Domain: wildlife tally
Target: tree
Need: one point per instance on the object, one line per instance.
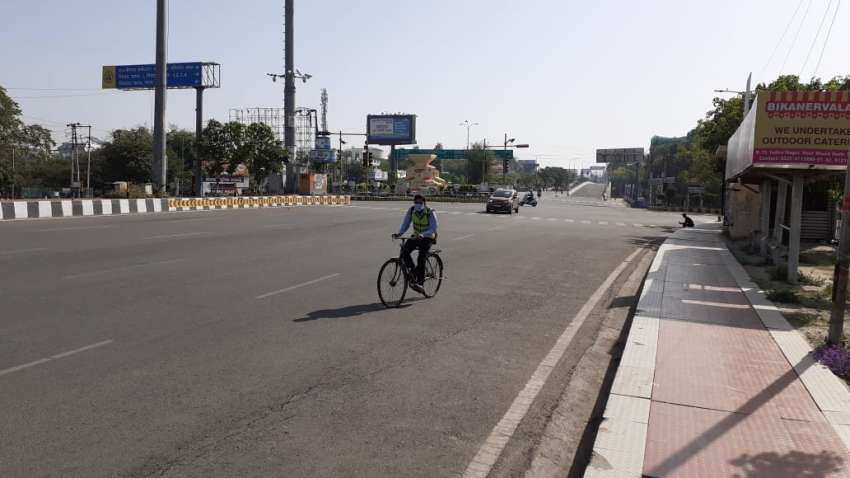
(263, 154)
(180, 149)
(128, 157)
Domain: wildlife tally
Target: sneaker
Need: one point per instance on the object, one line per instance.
(417, 288)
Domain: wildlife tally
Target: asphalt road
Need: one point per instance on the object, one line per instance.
(253, 343)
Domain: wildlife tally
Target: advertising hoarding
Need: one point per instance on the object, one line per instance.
(792, 129)
(323, 142)
(802, 128)
(323, 155)
(143, 77)
(391, 129)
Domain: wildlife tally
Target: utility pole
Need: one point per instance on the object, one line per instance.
(839, 276)
(75, 167)
(160, 162)
(13, 171)
(88, 162)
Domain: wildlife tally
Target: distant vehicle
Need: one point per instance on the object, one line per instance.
(528, 200)
(503, 200)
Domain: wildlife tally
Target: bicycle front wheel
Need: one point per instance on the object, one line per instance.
(433, 275)
(392, 283)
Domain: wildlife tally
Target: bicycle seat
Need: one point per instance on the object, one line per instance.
(436, 251)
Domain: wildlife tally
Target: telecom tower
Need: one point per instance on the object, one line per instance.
(324, 109)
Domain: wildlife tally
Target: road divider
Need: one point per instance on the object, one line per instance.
(43, 209)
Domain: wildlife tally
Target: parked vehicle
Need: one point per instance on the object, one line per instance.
(503, 200)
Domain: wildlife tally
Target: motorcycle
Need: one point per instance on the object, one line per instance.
(528, 200)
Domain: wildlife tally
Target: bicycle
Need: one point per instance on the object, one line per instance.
(394, 273)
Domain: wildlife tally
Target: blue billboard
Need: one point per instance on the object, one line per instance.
(138, 77)
(391, 129)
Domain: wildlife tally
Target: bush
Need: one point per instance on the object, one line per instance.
(809, 279)
(779, 273)
(834, 357)
(785, 296)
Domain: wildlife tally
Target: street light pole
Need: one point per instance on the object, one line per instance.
(468, 125)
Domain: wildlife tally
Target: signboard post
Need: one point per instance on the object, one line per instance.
(197, 75)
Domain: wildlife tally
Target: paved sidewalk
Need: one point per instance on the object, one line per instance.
(715, 383)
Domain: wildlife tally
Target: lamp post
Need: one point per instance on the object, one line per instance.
(468, 126)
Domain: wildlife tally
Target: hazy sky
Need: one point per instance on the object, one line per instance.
(565, 76)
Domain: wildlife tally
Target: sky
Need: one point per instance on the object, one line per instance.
(565, 76)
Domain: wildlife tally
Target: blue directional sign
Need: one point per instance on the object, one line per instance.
(138, 77)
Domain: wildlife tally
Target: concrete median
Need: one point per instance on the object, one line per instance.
(45, 209)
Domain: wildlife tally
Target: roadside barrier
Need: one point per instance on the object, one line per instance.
(465, 199)
(43, 209)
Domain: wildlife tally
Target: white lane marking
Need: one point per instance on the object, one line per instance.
(77, 228)
(492, 448)
(637, 225)
(175, 236)
(569, 220)
(119, 269)
(535, 218)
(621, 223)
(297, 286)
(603, 223)
(462, 237)
(552, 219)
(652, 225)
(17, 368)
(22, 251)
(585, 221)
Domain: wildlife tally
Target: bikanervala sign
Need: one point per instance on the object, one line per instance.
(802, 128)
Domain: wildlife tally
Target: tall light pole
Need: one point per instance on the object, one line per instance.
(159, 161)
(468, 126)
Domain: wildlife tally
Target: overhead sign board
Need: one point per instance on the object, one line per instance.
(143, 77)
(391, 129)
(619, 155)
(452, 154)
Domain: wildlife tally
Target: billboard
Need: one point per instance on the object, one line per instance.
(391, 129)
(792, 129)
(143, 77)
(619, 155)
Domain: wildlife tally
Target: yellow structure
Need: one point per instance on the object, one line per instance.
(421, 176)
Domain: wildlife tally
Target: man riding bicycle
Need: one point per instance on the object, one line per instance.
(425, 234)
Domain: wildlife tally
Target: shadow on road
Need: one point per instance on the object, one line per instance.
(351, 311)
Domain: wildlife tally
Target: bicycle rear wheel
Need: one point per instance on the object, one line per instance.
(392, 283)
(433, 275)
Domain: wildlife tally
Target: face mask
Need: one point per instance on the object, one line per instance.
(419, 207)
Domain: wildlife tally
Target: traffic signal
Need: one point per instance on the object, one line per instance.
(505, 164)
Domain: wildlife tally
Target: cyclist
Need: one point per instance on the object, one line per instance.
(424, 235)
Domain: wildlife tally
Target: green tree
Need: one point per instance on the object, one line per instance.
(263, 154)
(128, 157)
